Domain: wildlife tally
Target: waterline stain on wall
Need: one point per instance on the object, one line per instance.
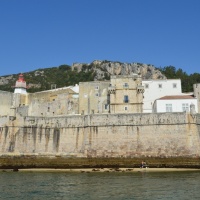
(107, 135)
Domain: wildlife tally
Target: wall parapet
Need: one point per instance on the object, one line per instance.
(143, 119)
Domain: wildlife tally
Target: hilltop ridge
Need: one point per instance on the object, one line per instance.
(65, 75)
(104, 69)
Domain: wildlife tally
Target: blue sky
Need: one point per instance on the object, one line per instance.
(46, 33)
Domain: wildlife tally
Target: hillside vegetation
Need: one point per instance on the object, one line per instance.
(187, 81)
(43, 79)
(65, 75)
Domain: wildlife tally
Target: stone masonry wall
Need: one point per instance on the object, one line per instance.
(108, 135)
(6, 102)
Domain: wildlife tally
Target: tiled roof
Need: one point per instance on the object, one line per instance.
(177, 97)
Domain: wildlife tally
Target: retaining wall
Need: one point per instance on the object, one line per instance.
(108, 135)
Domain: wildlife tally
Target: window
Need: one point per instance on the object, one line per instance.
(125, 98)
(125, 108)
(97, 94)
(146, 86)
(106, 106)
(126, 85)
(159, 85)
(174, 85)
(96, 87)
(185, 107)
(168, 107)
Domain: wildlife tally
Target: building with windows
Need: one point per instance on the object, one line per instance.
(122, 94)
(175, 103)
(155, 89)
(93, 97)
(55, 102)
(126, 94)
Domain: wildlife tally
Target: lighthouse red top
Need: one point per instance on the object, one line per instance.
(20, 83)
(21, 78)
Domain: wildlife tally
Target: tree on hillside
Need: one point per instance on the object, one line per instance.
(187, 81)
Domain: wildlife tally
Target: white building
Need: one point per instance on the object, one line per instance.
(175, 103)
(155, 89)
(196, 88)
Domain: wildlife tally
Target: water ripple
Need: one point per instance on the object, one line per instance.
(98, 186)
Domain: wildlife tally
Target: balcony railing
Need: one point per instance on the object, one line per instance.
(126, 100)
(111, 89)
(140, 89)
(126, 86)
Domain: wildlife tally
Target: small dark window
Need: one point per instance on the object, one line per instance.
(126, 85)
(125, 98)
(174, 85)
(106, 106)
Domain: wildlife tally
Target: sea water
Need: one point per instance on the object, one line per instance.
(103, 185)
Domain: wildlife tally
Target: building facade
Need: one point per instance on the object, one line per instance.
(155, 89)
(122, 94)
(93, 97)
(126, 94)
(196, 88)
(56, 102)
(176, 103)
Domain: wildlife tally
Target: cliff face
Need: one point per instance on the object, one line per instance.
(104, 69)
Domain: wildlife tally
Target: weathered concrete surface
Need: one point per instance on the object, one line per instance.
(15, 162)
(103, 136)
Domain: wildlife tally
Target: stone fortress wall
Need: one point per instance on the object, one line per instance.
(102, 135)
(61, 123)
(6, 102)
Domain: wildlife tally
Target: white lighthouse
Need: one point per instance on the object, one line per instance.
(20, 85)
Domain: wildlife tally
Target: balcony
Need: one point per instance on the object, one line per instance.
(126, 86)
(111, 89)
(126, 101)
(140, 89)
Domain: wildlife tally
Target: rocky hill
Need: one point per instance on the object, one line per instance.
(64, 75)
(104, 69)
